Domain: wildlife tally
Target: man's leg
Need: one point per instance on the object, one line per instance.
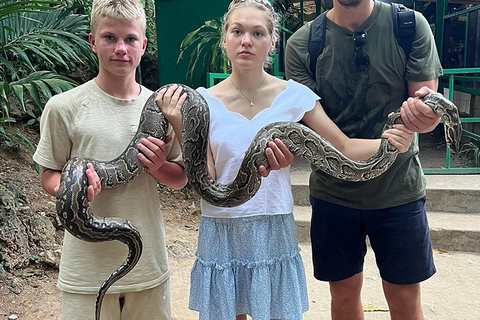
(346, 298)
(404, 301)
(338, 251)
(400, 238)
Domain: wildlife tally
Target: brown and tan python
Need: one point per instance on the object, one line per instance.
(75, 214)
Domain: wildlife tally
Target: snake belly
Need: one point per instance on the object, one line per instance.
(72, 204)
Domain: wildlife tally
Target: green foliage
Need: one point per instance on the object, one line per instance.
(206, 52)
(151, 27)
(204, 44)
(39, 41)
(472, 150)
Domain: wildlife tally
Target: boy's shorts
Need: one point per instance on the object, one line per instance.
(399, 237)
(152, 304)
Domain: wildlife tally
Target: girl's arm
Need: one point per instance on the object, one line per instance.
(355, 149)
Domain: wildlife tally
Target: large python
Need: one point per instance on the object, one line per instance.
(75, 214)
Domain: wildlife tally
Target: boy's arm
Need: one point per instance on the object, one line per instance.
(50, 181)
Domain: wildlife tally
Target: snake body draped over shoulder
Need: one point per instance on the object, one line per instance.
(74, 212)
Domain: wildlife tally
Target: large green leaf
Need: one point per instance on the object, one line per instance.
(40, 83)
(206, 53)
(45, 39)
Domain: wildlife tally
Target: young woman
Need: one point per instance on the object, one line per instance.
(248, 260)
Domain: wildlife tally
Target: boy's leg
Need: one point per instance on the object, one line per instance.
(152, 304)
(82, 306)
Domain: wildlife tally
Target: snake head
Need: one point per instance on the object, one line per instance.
(448, 111)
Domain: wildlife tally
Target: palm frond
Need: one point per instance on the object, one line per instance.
(40, 83)
(206, 53)
(40, 39)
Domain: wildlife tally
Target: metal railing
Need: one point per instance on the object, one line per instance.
(461, 75)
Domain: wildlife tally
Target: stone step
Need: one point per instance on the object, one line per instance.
(448, 231)
(445, 193)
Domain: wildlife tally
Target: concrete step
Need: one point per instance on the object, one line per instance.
(448, 231)
(445, 193)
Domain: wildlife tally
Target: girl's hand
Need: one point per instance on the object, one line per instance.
(278, 157)
(171, 101)
(400, 137)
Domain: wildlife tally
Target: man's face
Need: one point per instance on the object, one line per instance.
(119, 45)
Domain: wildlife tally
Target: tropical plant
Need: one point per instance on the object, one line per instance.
(471, 150)
(206, 50)
(39, 41)
(203, 45)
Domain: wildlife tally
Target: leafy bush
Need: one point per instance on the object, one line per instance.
(39, 41)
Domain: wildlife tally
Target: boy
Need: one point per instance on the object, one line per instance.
(82, 122)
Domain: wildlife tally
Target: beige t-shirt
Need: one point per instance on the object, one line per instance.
(85, 121)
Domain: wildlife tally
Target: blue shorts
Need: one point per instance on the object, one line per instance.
(399, 237)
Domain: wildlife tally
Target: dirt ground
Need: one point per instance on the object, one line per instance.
(31, 293)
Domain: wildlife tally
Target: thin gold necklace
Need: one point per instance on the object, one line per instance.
(256, 92)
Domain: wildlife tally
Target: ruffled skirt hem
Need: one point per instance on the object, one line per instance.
(264, 279)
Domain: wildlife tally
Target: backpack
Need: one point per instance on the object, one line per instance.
(403, 26)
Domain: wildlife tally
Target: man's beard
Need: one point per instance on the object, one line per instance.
(349, 3)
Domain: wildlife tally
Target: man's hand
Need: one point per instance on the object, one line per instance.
(153, 152)
(278, 157)
(416, 115)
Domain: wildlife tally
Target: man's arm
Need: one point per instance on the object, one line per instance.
(416, 115)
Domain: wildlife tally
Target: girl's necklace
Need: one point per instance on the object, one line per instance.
(256, 92)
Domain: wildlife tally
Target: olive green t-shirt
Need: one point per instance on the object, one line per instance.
(359, 100)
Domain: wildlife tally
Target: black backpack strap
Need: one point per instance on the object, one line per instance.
(316, 40)
(404, 26)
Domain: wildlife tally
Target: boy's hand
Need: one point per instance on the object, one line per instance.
(400, 137)
(153, 152)
(94, 186)
(278, 157)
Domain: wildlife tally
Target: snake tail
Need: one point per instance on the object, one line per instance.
(128, 234)
(85, 225)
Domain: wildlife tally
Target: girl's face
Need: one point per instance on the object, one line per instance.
(247, 40)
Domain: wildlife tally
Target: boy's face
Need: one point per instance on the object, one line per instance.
(119, 45)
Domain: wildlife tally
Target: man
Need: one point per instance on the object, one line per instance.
(361, 76)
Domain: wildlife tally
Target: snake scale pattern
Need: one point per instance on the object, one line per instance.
(74, 212)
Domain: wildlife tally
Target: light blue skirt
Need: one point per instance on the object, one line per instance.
(251, 266)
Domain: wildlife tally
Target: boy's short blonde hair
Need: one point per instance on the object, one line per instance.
(118, 9)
